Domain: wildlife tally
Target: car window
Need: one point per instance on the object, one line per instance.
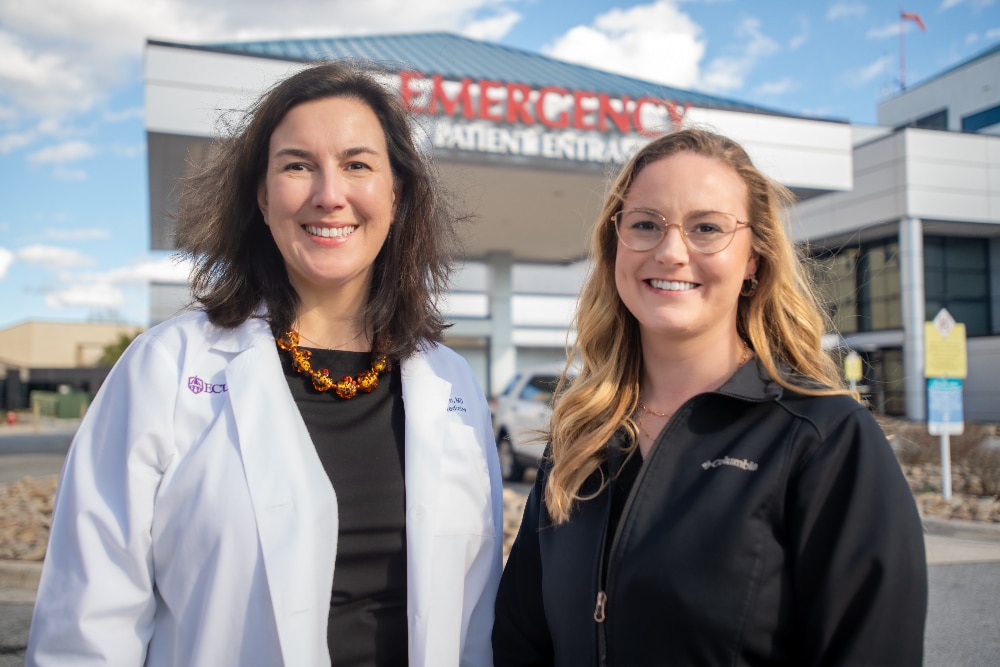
(540, 388)
(510, 385)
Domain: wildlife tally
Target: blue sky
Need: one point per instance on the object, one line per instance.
(74, 229)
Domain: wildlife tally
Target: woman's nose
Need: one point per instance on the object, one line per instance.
(673, 245)
(328, 191)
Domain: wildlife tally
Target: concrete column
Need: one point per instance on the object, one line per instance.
(911, 284)
(503, 355)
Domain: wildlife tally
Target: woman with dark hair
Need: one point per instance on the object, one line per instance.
(297, 472)
(711, 494)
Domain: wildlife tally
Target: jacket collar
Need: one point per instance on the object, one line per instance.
(751, 382)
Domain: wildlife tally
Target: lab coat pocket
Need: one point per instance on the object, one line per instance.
(464, 488)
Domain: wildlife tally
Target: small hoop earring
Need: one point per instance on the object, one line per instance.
(749, 286)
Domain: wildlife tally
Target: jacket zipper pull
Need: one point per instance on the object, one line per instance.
(602, 601)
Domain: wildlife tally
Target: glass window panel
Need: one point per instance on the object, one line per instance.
(933, 284)
(965, 253)
(967, 285)
(956, 277)
(972, 314)
(933, 253)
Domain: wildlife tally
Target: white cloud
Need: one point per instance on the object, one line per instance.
(887, 30)
(77, 234)
(94, 295)
(106, 289)
(167, 269)
(802, 37)
(124, 114)
(129, 151)
(6, 259)
(773, 88)
(868, 73)
(16, 140)
(843, 10)
(993, 33)
(727, 73)
(69, 151)
(656, 41)
(976, 5)
(59, 58)
(62, 173)
(492, 28)
(53, 256)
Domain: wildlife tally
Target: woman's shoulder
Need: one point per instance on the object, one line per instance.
(441, 359)
(193, 327)
(830, 414)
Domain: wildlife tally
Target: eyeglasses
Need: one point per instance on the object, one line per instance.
(707, 232)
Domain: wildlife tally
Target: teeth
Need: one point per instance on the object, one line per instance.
(330, 232)
(672, 285)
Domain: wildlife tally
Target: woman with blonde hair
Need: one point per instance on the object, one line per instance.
(711, 493)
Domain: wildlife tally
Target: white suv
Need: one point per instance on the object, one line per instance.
(520, 412)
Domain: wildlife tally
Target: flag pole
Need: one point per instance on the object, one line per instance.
(902, 51)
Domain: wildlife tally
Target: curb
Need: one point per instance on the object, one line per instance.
(19, 580)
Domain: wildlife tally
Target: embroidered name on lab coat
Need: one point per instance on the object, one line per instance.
(199, 386)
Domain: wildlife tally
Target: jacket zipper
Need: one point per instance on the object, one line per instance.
(604, 579)
(600, 606)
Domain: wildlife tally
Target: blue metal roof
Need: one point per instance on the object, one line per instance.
(454, 56)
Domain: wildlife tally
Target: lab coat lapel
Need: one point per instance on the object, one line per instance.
(425, 397)
(293, 501)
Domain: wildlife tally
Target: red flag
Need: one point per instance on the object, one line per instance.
(913, 16)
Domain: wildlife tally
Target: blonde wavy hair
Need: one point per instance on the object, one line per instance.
(782, 322)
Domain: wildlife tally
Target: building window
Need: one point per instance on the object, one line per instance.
(935, 121)
(860, 287)
(834, 276)
(981, 120)
(879, 301)
(957, 277)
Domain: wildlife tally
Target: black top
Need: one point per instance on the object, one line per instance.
(764, 527)
(360, 442)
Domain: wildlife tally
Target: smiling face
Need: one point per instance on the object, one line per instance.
(673, 292)
(327, 196)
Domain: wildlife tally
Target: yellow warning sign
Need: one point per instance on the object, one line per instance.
(945, 354)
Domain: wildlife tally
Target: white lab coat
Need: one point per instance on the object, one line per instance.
(195, 525)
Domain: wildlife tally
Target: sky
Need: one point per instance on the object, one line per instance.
(74, 221)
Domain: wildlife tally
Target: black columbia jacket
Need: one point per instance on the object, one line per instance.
(765, 527)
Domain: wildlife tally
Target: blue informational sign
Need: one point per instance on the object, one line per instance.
(944, 406)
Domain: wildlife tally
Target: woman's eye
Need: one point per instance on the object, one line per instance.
(357, 166)
(294, 166)
(705, 228)
(645, 226)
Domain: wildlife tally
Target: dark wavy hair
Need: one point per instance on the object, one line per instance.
(237, 265)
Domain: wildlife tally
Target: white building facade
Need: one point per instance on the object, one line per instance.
(919, 231)
(525, 143)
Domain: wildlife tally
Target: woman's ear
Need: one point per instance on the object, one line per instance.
(751, 266)
(262, 200)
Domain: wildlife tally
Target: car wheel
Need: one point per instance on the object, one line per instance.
(510, 470)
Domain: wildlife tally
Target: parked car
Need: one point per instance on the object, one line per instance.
(520, 413)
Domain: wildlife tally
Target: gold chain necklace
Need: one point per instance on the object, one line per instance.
(744, 357)
(347, 386)
(662, 415)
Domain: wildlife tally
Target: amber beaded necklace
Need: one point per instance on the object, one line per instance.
(347, 386)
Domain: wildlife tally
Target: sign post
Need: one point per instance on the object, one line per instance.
(852, 369)
(945, 367)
